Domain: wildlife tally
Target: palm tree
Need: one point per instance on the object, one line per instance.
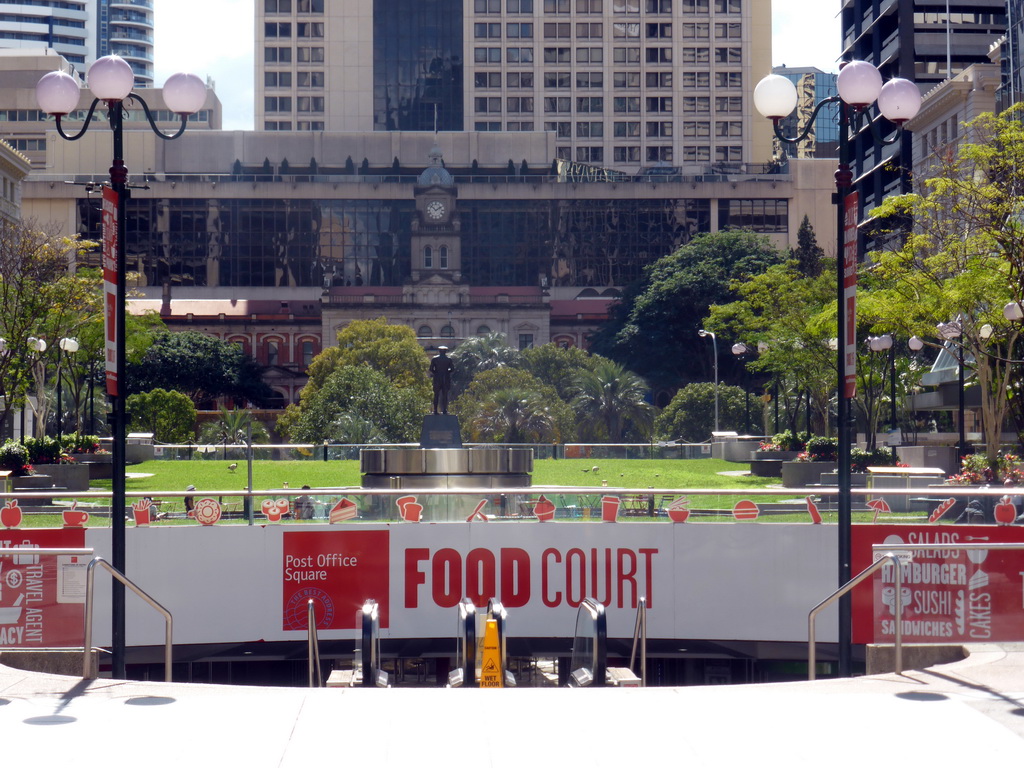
(233, 428)
(514, 416)
(478, 354)
(612, 401)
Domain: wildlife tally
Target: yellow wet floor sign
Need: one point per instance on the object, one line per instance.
(490, 667)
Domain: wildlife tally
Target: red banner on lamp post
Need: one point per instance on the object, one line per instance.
(110, 246)
(850, 294)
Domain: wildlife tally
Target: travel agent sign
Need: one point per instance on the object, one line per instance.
(948, 595)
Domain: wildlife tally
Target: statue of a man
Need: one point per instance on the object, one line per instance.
(441, 368)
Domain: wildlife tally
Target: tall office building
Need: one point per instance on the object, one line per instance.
(812, 85)
(924, 41)
(621, 83)
(83, 30)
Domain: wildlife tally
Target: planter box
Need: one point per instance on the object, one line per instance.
(71, 477)
(100, 464)
(802, 474)
(781, 455)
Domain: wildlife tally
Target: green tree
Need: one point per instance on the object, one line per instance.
(537, 396)
(961, 260)
(200, 366)
(807, 254)
(169, 415)
(356, 391)
(514, 416)
(690, 417)
(479, 354)
(610, 404)
(557, 366)
(233, 427)
(653, 328)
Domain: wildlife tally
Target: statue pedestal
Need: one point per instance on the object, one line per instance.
(440, 430)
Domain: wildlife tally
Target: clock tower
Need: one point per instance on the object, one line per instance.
(436, 229)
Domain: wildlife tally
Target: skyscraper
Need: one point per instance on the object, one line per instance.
(626, 84)
(84, 30)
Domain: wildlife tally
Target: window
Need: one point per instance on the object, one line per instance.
(728, 56)
(659, 154)
(309, 104)
(658, 6)
(522, 31)
(659, 104)
(728, 128)
(659, 129)
(590, 80)
(310, 125)
(425, 332)
(591, 104)
(589, 6)
(589, 55)
(696, 154)
(519, 104)
(557, 30)
(626, 103)
(519, 6)
(659, 80)
(556, 80)
(310, 79)
(483, 330)
(280, 55)
(277, 104)
(623, 129)
(486, 126)
(519, 79)
(442, 254)
(693, 80)
(447, 332)
(273, 352)
(487, 79)
(307, 353)
(694, 6)
(727, 6)
(728, 79)
(626, 6)
(626, 55)
(626, 79)
(759, 215)
(519, 55)
(277, 6)
(663, 31)
(696, 104)
(526, 125)
(525, 340)
(487, 6)
(311, 29)
(556, 6)
(487, 55)
(662, 55)
(277, 79)
(589, 154)
(482, 31)
(310, 54)
(623, 30)
(309, 6)
(695, 30)
(696, 56)
(561, 153)
(557, 104)
(728, 30)
(696, 129)
(277, 29)
(626, 154)
(590, 130)
(487, 104)
(562, 130)
(589, 30)
(428, 257)
(558, 55)
(728, 154)
(729, 103)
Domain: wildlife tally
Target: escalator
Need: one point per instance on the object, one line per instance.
(588, 666)
(365, 671)
(480, 648)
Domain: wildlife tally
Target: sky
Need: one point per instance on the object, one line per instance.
(214, 39)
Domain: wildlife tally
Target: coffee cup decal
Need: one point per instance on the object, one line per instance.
(141, 511)
(274, 509)
(609, 508)
(11, 515)
(206, 511)
(74, 517)
(345, 509)
(544, 510)
(409, 509)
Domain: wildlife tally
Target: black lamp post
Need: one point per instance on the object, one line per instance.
(859, 85)
(67, 346)
(111, 79)
(948, 332)
(739, 349)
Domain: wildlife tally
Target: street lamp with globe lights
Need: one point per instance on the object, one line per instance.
(949, 333)
(714, 348)
(110, 79)
(739, 350)
(881, 344)
(67, 346)
(860, 85)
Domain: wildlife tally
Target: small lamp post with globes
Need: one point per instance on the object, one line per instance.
(67, 347)
(859, 85)
(111, 79)
(714, 348)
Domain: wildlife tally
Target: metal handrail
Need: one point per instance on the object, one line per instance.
(898, 605)
(640, 638)
(316, 674)
(89, 581)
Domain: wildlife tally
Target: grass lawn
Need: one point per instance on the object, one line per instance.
(638, 475)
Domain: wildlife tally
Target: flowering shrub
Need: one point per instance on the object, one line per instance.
(823, 448)
(45, 450)
(79, 443)
(14, 458)
(975, 470)
(882, 456)
(785, 441)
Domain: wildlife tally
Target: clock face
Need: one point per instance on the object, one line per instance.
(435, 210)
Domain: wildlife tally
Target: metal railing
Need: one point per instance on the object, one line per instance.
(888, 557)
(168, 619)
(640, 641)
(316, 673)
